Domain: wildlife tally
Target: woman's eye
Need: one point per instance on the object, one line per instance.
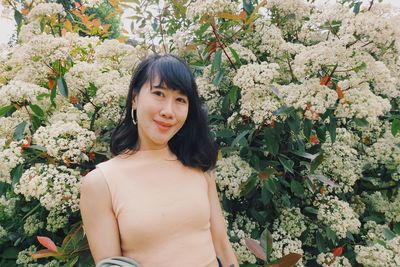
(182, 100)
(159, 93)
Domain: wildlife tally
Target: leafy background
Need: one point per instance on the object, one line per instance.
(303, 102)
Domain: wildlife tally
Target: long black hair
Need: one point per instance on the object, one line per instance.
(192, 144)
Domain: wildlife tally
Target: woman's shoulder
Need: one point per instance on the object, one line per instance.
(93, 183)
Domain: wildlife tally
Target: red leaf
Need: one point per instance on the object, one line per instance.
(339, 92)
(44, 253)
(337, 252)
(255, 248)
(289, 260)
(325, 80)
(47, 243)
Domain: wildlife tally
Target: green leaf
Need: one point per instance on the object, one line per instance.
(218, 77)
(330, 234)
(289, 260)
(396, 228)
(266, 242)
(92, 89)
(311, 210)
(271, 184)
(53, 96)
(307, 127)
(286, 163)
(225, 133)
(6, 109)
(304, 154)
(361, 122)
(203, 28)
(216, 64)
(248, 6)
(332, 129)
(316, 162)
(297, 188)
(248, 186)
(36, 147)
(19, 130)
(239, 138)
(283, 110)
(321, 244)
(37, 110)
(233, 95)
(356, 8)
(72, 262)
(388, 234)
(10, 253)
(18, 19)
(62, 86)
(272, 139)
(36, 122)
(294, 124)
(395, 126)
(235, 56)
(16, 174)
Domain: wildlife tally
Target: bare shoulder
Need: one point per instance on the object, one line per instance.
(94, 183)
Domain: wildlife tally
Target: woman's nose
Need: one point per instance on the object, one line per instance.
(167, 109)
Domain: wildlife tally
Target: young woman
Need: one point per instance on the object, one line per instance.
(156, 201)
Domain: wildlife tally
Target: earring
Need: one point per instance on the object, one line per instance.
(133, 116)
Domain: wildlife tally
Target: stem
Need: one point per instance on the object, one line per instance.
(370, 5)
(162, 30)
(221, 44)
(290, 68)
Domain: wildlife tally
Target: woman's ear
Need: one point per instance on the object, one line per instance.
(134, 105)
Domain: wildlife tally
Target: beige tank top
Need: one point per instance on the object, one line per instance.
(162, 209)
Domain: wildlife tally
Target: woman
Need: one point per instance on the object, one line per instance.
(156, 200)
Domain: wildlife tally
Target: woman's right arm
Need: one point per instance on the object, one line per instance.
(98, 218)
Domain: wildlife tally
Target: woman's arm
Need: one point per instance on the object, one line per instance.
(223, 247)
(98, 217)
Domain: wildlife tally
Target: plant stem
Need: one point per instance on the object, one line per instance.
(221, 44)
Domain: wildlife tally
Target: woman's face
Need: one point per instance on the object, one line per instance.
(160, 113)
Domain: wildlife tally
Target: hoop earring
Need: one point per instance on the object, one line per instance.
(133, 117)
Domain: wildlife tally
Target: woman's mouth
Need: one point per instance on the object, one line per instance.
(163, 126)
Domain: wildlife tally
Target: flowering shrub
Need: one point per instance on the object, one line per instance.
(303, 101)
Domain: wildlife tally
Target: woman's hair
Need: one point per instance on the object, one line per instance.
(192, 144)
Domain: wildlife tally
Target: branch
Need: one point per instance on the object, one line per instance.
(370, 5)
(221, 44)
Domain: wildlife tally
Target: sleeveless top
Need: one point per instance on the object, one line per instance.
(162, 209)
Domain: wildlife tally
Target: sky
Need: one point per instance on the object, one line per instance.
(7, 24)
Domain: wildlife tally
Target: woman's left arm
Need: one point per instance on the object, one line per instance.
(223, 247)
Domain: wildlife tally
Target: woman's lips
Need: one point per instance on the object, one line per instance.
(163, 126)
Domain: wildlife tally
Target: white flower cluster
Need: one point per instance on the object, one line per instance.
(209, 92)
(3, 234)
(258, 100)
(252, 76)
(376, 202)
(80, 76)
(283, 244)
(329, 53)
(92, 3)
(311, 97)
(342, 163)
(339, 216)
(291, 221)
(386, 151)
(31, 60)
(56, 187)
(11, 157)
(112, 54)
(20, 92)
(329, 260)
(32, 224)
(295, 9)
(375, 231)
(28, 31)
(379, 255)
(7, 207)
(199, 8)
(82, 48)
(392, 215)
(231, 173)
(243, 53)
(69, 113)
(45, 9)
(241, 228)
(65, 141)
(360, 102)
(56, 220)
